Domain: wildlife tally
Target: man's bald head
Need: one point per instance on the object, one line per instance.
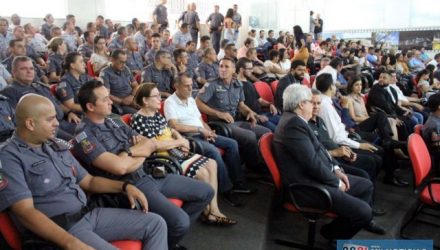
(32, 106)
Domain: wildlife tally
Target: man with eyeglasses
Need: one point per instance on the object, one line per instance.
(119, 80)
(161, 72)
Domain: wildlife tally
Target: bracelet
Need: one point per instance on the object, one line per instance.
(124, 186)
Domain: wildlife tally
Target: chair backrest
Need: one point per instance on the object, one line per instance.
(265, 146)
(126, 119)
(312, 79)
(420, 158)
(90, 70)
(162, 107)
(274, 85)
(9, 231)
(307, 82)
(418, 129)
(264, 91)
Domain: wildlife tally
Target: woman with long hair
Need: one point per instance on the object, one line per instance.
(151, 124)
(99, 58)
(300, 42)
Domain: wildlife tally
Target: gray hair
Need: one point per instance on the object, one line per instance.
(316, 92)
(294, 95)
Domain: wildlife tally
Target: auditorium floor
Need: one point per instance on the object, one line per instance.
(258, 224)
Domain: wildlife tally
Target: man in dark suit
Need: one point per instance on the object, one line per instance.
(295, 142)
(383, 98)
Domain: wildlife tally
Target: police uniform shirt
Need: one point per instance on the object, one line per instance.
(4, 44)
(161, 14)
(216, 20)
(162, 78)
(55, 62)
(193, 60)
(85, 50)
(225, 98)
(49, 174)
(92, 140)
(30, 52)
(134, 61)
(70, 40)
(16, 90)
(69, 86)
(116, 44)
(4, 75)
(7, 116)
(38, 71)
(431, 134)
(236, 18)
(149, 56)
(119, 82)
(45, 30)
(207, 71)
(191, 18)
(103, 31)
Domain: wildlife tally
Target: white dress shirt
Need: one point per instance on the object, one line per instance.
(335, 127)
(186, 113)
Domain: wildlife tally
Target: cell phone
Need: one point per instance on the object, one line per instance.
(159, 172)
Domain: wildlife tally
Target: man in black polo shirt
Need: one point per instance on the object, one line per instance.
(296, 75)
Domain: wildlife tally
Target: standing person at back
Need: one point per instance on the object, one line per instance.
(160, 15)
(237, 20)
(318, 26)
(191, 17)
(215, 22)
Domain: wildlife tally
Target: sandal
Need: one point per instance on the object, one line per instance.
(219, 221)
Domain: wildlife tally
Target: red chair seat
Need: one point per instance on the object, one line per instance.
(426, 198)
(291, 208)
(264, 91)
(274, 85)
(9, 231)
(127, 244)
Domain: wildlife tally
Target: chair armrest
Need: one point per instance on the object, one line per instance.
(195, 146)
(310, 198)
(434, 180)
(171, 165)
(221, 128)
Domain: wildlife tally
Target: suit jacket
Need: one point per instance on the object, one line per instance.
(380, 98)
(300, 157)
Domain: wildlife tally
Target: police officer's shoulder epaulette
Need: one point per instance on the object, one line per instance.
(36, 84)
(58, 144)
(237, 82)
(113, 122)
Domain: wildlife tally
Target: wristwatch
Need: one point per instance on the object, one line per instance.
(129, 152)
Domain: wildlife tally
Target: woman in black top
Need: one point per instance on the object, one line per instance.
(151, 124)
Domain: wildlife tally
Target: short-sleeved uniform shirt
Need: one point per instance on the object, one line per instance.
(70, 40)
(161, 12)
(69, 86)
(86, 50)
(4, 75)
(193, 60)
(134, 61)
(216, 20)
(116, 44)
(223, 97)
(119, 82)
(16, 90)
(55, 63)
(92, 140)
(207, 71)
(48, 174)
(7, 116)
(4, 44)
(191, 18)
(162, 78)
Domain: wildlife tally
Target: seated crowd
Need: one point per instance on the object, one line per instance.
(340, 113)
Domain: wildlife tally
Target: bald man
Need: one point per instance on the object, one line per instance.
(43, 185)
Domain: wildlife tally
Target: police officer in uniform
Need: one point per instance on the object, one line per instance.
(23, 83)
(120, 81)
(223, 99)
(215, 21)
(114, 150)
(71, 81)
(7, 119)
(42, 186)
(161, 72)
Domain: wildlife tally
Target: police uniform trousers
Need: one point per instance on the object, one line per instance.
(195, 194)
(247, 138)
(102, 225)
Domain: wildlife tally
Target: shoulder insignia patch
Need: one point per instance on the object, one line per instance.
(87, 146)
(3, 182)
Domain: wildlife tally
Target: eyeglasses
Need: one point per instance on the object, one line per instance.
(248, 68)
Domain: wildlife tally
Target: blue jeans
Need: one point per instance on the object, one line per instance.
(417, 118)
(273, 121)
(229, 167)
